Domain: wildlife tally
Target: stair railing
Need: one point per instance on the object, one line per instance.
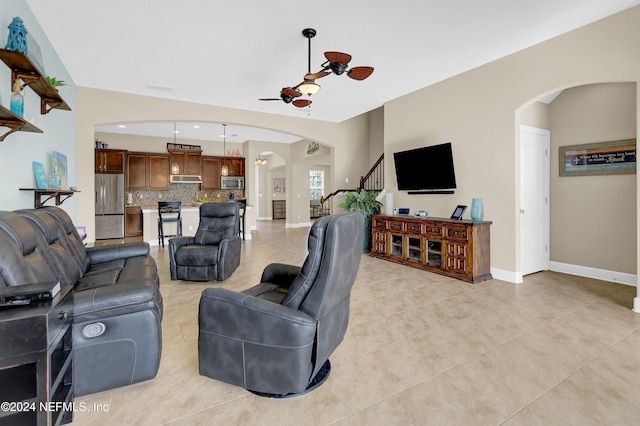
(372, 181)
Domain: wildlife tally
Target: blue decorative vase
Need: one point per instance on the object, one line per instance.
(477, 210)
(17, 40)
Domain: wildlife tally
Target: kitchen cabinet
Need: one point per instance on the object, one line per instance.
(211, 167)
(236, 166)
(457, 248)
(109, 160)
(187, 162)
(147, 170)
(133, 221)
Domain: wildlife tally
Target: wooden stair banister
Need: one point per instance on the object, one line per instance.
(376, 172)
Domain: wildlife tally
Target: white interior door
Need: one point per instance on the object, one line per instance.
(534, 199)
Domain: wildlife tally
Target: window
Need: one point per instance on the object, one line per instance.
(316, 184)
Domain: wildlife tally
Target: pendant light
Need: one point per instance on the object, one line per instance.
(225, 168)
(175, 168)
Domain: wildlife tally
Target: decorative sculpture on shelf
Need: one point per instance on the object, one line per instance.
(313, 147)
(17, 40)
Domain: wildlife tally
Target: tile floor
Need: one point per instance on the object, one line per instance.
(421, 349)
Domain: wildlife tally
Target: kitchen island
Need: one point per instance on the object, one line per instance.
(190, 220)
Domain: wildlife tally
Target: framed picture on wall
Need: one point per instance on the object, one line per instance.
(284, 185)
(603, 158)
(277, 185)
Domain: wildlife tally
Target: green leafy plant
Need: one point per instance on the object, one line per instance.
(55, 82)
(363, 201)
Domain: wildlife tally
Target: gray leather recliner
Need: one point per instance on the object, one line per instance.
(214, 252)
(275, 339)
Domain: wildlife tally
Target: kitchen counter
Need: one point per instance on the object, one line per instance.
(190, 220)
(149, 209)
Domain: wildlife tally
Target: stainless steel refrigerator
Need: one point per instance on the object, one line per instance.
(109, 206)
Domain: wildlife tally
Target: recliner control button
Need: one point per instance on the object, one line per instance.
(93, 330)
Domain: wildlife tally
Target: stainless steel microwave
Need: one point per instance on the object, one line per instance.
(232, 182)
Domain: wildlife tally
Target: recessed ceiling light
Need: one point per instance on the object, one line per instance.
(195, 126)
(122, 126)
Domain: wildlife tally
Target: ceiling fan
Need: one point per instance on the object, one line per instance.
(288, 94)
(336, 63)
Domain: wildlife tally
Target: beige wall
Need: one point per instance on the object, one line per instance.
(477, 111)
(535, 115)
(593, 218)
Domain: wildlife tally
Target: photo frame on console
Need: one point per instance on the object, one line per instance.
(458, 212)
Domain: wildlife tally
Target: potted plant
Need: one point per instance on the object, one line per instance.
(366, 203)
(55, 82)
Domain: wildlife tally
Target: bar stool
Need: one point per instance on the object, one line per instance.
(172, 208)
(242, 207)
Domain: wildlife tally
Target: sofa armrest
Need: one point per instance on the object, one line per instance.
(103, 254)
(280, 274)
(241, 317)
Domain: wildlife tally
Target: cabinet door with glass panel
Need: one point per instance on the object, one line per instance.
(415, 244)
(432, 235)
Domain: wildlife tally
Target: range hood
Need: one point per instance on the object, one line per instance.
(184, 179)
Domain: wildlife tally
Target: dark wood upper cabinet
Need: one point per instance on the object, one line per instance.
(147, 171)
(187, 162)
(109, 160)
(211, 172)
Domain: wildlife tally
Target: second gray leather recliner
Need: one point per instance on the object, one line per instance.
(276, 338)
(214, 252)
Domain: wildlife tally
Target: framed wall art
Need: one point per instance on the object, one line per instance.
(602, 158)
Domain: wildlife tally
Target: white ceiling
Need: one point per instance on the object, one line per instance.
(232, 53)
(203, 131)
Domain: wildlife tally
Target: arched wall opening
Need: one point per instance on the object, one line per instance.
(605, 203)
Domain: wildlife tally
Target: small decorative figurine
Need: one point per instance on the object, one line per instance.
(17, 40)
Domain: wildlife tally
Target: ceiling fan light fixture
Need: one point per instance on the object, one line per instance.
(309, 87)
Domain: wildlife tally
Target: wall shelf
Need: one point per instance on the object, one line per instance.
(15, 123)
(22, 68)
(60, 195)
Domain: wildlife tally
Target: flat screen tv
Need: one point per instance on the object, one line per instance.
(426, 169)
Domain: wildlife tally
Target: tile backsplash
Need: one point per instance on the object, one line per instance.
(187, 193)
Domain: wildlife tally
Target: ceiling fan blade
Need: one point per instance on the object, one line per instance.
(294, 93)
(269, 99)
(360, 73)
(316, 75)
(301, 103)
(338, 57)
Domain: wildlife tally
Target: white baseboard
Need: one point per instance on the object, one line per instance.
(264, 218)
(508, 276)
(297, 225)
(599, 274)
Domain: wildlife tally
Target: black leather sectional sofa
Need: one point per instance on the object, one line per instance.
(117, 312)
